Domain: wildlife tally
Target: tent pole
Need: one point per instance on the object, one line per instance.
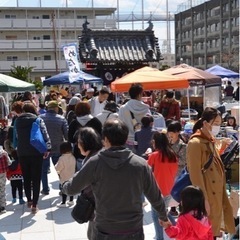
(188, 103)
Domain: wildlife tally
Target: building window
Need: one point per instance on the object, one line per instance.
(209, 60)
(47, 57)
(12, 58)
(36, 38)
(45, 17)
(11, 37)
(35, 17)
(10, 16)
(81, 17)
(226, 7)
(46, 37)
(37, 58)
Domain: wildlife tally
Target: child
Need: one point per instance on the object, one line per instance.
(4, 163)
(192, 222)
(14, 174)
(65, 168)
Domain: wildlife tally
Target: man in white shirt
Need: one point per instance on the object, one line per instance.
(98, 103)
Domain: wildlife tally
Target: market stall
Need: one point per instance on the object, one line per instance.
(205, 88)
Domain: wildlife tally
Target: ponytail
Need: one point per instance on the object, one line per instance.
(197, 125)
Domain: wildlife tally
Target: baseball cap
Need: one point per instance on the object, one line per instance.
(74, 100)
(52, 104)
(90, 90)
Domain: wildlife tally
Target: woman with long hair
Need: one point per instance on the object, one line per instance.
(30, 158)
(213, 181)
(164, 166)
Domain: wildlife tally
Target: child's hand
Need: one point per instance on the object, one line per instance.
(165, 224)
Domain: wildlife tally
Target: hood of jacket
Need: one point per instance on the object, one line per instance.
(137, 107)
(201, 228)
(83, 120)
(116, 157)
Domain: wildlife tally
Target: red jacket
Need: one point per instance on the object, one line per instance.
(164, 172)
(172, 108)
(189, 228)
(14, 174)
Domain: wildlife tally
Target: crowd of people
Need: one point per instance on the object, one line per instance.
(118, 154)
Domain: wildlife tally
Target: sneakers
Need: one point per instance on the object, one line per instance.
(21, 201)
(14, 200)
(70, 203)
(44, 192)
(62, 205)
(2, 210)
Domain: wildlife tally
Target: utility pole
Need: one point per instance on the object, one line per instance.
(54, 41)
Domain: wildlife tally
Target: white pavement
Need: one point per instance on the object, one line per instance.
(51, 222)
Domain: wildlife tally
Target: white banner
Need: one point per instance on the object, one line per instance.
(71, 56)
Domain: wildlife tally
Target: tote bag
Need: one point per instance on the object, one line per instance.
(36, 137)
(183, 180)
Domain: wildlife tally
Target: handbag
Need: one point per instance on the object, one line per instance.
(36, 137)
(183, 180)
(83, 210)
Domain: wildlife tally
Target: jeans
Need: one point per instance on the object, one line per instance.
(157, 226)
(45, 168)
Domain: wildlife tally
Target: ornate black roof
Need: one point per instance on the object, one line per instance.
(119, 46)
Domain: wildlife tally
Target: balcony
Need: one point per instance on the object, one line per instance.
(40, 24)
(41, 65)
(32, 45)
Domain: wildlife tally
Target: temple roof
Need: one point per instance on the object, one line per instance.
(119, 46)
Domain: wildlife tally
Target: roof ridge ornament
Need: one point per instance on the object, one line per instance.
(85, 27)
(150, 27)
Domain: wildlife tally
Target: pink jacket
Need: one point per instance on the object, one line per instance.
(190, 228)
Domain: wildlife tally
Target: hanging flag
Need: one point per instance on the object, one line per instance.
(71, 57)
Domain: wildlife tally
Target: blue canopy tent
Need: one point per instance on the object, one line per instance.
(222, 72)
(63, 78)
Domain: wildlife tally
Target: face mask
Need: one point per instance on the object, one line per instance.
(215, 130)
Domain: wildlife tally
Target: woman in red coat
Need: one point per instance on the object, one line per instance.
(164, 166)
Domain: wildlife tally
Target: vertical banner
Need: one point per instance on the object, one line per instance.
(71, 57)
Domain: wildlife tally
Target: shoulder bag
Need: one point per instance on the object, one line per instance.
(83, 210)
(36, 137)
(183, 180)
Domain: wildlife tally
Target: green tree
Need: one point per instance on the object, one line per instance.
(23, 73)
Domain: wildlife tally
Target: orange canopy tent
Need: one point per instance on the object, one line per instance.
(150, 78)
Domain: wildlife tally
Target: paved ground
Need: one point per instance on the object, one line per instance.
(51, 222)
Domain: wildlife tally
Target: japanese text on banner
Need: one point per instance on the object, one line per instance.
(71, 56)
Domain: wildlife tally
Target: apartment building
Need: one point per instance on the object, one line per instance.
(34, 37)
(208, 34)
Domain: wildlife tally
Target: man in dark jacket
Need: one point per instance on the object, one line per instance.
(57, 128)
(118, 178)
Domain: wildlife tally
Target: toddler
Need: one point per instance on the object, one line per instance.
(192, 222)
(14, 174)
(4, 163)
(65, 168)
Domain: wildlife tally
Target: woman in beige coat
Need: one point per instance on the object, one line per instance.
(213, 181)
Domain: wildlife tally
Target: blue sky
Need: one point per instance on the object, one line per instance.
(125, 7)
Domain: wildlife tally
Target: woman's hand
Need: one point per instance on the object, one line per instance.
(207, 207)
(46, 155)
